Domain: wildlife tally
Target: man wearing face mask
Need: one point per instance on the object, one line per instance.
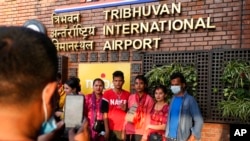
(184, 120)
(28, 84)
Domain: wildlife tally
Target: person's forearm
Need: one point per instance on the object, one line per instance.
(157, 127)
(105, 119)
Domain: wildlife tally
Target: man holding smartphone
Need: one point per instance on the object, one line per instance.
(114, 106)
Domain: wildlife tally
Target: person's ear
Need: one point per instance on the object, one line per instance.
(48, 92)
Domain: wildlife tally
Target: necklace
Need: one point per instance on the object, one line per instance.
(118, 94)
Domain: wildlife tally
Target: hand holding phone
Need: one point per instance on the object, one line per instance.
(73, 112)
(82, 134)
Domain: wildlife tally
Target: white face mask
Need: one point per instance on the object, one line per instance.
(175, 89)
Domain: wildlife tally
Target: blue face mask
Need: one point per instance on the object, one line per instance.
(175, 89)
(48, 126)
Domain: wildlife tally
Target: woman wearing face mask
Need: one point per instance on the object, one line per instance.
(156, 128)
(142, 103)
(92, 109)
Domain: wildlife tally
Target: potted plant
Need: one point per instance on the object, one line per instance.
(161, 75)
(236, 80)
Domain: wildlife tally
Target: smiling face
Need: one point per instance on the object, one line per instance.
(68, 89)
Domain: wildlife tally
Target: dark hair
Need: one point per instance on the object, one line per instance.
(28, 63)
(144, 79)
(178, 75)
(118, 74)
(162, 87)
(74, 82)
(99, 79)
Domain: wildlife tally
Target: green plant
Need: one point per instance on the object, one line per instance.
(236, 80)
(236, 108)
(161, 75)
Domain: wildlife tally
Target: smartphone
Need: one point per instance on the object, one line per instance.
(73, 111)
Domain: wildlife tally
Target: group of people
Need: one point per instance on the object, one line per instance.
(32, 99)
(139, 116)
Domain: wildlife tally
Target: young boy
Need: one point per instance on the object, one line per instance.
(114, 106)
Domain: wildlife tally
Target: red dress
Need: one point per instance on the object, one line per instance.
(159, 117)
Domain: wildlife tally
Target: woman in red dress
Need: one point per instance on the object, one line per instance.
(156, 128)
